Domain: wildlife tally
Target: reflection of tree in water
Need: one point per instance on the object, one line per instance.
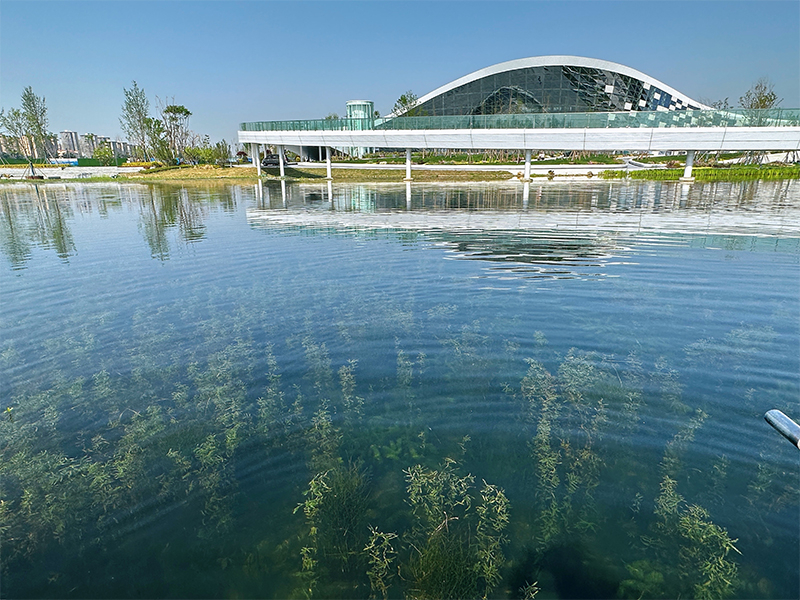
(16, 246)
(40, 222)
(38, 216)
(161, 210)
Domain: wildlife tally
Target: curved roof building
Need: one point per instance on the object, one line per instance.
(556, 84)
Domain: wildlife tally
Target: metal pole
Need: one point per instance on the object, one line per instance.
(788, 428)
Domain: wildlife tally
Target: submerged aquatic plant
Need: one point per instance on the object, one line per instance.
(567, 467)
(335, 508)
(456, 549)
(381, 556)
(704, 568)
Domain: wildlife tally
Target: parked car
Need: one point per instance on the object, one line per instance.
(273, 160)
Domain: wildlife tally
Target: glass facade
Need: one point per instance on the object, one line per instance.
(552, 88)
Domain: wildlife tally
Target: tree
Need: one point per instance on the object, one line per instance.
(34, 112)
(761, 95)
(221, 152)
(135, 112)
(202, 152)
(406, 105)
(13, 125)
(104, 154)
(27, 125)
(157, 141)
(175, 119)
(723, 104)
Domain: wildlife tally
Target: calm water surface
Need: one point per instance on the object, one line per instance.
(424, 391)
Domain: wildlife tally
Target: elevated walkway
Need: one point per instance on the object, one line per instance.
(652, 131)
(723, 130)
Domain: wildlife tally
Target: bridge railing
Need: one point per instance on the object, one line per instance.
(774, 117)
(310, 125)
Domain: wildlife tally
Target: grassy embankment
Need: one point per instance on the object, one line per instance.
(482, 158)
(732, 173)
(309, 175)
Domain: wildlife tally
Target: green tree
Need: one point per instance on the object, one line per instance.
(157, 141)
(135, 112)
(221, 152)
(34, 111)
(407, 105)
(761, 95)
(13, 126)
(104, 154)
(202, 152)
(175, 119)
(27, 125)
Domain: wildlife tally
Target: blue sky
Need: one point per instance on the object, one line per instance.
(245, 61)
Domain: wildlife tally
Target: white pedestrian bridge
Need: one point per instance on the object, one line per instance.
(635, 131)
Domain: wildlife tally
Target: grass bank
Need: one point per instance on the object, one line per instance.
(492, 158)
(305, 175)
(734, 173)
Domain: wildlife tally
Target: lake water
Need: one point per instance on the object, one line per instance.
(417, 391)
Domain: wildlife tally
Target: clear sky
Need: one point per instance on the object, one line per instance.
(229, 62)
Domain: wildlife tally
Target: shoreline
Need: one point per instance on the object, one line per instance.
(367, 173)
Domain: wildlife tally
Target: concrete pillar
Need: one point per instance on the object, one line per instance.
(328, 161)
(330, 194)
(280, 161)
(527, 175)
(687, 171)
(408, 164)
(255, 153)
(408, 194)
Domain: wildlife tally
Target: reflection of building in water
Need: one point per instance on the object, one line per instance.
(360, 199)
(622, 206)
(578, 196)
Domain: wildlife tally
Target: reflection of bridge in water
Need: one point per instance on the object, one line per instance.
(757, 207)
(563, 230)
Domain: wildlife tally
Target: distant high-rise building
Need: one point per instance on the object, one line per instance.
(69, 142)
(87, 144)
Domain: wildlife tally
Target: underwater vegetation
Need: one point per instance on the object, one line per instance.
(387, 513)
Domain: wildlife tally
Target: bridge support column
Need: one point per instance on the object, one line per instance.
(280, 161)
(527, 176)
(255, 152)
(408, 165)
(328, 162)
(687, 171)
